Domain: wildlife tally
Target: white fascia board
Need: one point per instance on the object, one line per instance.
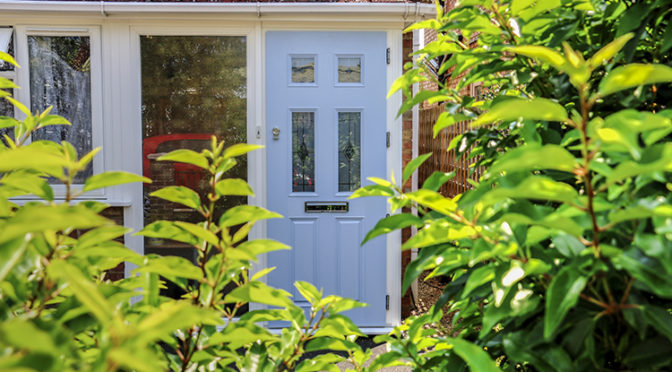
(406, 10)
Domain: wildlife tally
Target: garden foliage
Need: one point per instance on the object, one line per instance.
(559, 259)
(59, 312)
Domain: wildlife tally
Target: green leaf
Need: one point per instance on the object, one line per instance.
(114, 178)
(433, 200)
(179, 194)
(85, 290)
(475, 357)
(100, 235)
(652, 276)
(437, 232)
(23, 334)
(38, 218)
(11, 253)
(372, 190)
(535, 157)
(256, 247)
(667, 39)
(609, 51)
(171, 316)
(34, 158)
(262, 273)
(644, 209)
(562, 295)
(323, 362)
(171, 266)
(546, 55)
(633, 75)
(446, 119)
(654, 158)
(337, 326)
(8, 58)
(186, 156)
(167, 230)
(245, 213)
(413, 165)
(339, 304)
(533, 187)
(477, 278)
(394, 222)
(519, 109)
(328, 343)
(29, 183)
(199, 232)
(659, 319)
(233, 186)
(52, 120)
(240, 149)
(260, 293)
(308, 291)
(437, 179)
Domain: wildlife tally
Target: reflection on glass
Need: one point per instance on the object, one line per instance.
(303, 151)
(349, 70)
(6, 109)
(193, 87)
(303, 69)
(60, 76)
(6, 66)
(349, 150)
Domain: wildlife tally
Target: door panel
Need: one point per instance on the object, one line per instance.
(326, 123)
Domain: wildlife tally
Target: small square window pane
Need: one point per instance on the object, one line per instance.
(349, 70)
(303, 69)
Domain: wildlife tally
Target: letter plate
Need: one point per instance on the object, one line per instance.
(326, 207)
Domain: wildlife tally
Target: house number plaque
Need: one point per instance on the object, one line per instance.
(326, 207)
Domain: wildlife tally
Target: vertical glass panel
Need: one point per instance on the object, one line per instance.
(349, 150)
(193, 87)
(60, 76)
(6, 109)
(7, 38)
(303, 69)
(349, 70)
(303, 151)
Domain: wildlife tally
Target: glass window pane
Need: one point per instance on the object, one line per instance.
(349, 150)
(6, 109)
(303, 69)
(6, 66)
(193, 87)
(303, 151)
(60, 76)
(349, 70)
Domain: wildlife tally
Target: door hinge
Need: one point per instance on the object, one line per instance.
(387, 56)
(387, 139)
(387, 302)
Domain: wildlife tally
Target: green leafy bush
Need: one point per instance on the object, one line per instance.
(59, 312)
(559, 259)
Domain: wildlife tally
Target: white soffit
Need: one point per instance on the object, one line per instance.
(400, 10)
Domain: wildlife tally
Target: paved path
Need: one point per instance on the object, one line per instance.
(376, 351)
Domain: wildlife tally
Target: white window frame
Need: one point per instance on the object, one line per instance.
(21, 33)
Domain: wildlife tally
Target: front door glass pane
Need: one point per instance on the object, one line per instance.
(60, 76)
(349, 70)
(349, 150)
(193, 88)
(303, 151)
(303, 69)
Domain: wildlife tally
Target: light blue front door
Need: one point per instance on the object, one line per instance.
(326, 125)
